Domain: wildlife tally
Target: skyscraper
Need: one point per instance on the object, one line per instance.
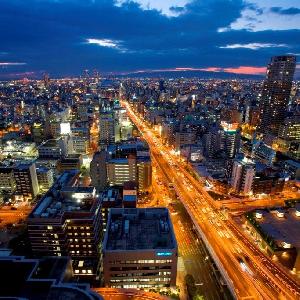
(276, 92)
(106, 129)
(230, 138)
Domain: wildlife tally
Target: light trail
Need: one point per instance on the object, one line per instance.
(269, 281)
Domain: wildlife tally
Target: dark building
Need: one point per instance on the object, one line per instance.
(98, 170)
(34, 279)
(276, 93)
(26, 182)
(267, 185)
(71, 162)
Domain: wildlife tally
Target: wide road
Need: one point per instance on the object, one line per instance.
(193, 255)
(253, 274)
(127, 294)
(9, 216)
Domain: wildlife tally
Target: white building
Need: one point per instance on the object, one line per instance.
(243, 172)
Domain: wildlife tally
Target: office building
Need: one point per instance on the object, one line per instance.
(98, 170)
(184, 138)
(67, 222)
(27, 186)
(37, 131)
(70, 162)
(144, 174)
(263, 153)
(264, 184)
(80, 144)
(7, 179)
(120, 170)
(290, 129)
(212, 141)
(243, 172)
(288, 140)
(106, 129)
(139, 249)
(110, 198)
(292, 168)
(45, 178)
(65, 143)
(276, 93)
(50, 149)
(230, 138)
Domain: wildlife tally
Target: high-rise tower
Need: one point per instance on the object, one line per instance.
(276, 92)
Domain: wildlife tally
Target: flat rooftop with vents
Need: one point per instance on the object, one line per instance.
(139, 228)
(65, 196)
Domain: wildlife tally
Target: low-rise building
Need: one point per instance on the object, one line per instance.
(71, 162)
(50, 149)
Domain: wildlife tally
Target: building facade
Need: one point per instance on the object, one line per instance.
(243, 172)
(27, 186)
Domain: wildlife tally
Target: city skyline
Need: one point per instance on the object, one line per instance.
(150, 149)
(63, 38)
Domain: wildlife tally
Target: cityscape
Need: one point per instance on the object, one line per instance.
(150, 150)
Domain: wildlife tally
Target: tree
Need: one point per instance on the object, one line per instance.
(190, 285)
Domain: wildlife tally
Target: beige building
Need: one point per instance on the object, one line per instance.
(120, 170)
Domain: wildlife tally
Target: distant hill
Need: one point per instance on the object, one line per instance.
(191, 74)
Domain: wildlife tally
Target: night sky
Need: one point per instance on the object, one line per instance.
(63, 37)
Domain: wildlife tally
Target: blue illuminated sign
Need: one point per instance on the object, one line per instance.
(164, 253)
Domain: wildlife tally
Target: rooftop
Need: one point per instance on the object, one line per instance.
(41, 279)
(65, 196)
(283, 225)
(139, 228)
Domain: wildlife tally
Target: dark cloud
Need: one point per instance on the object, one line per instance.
(52, 36)
(285, 11)
(177, 9)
